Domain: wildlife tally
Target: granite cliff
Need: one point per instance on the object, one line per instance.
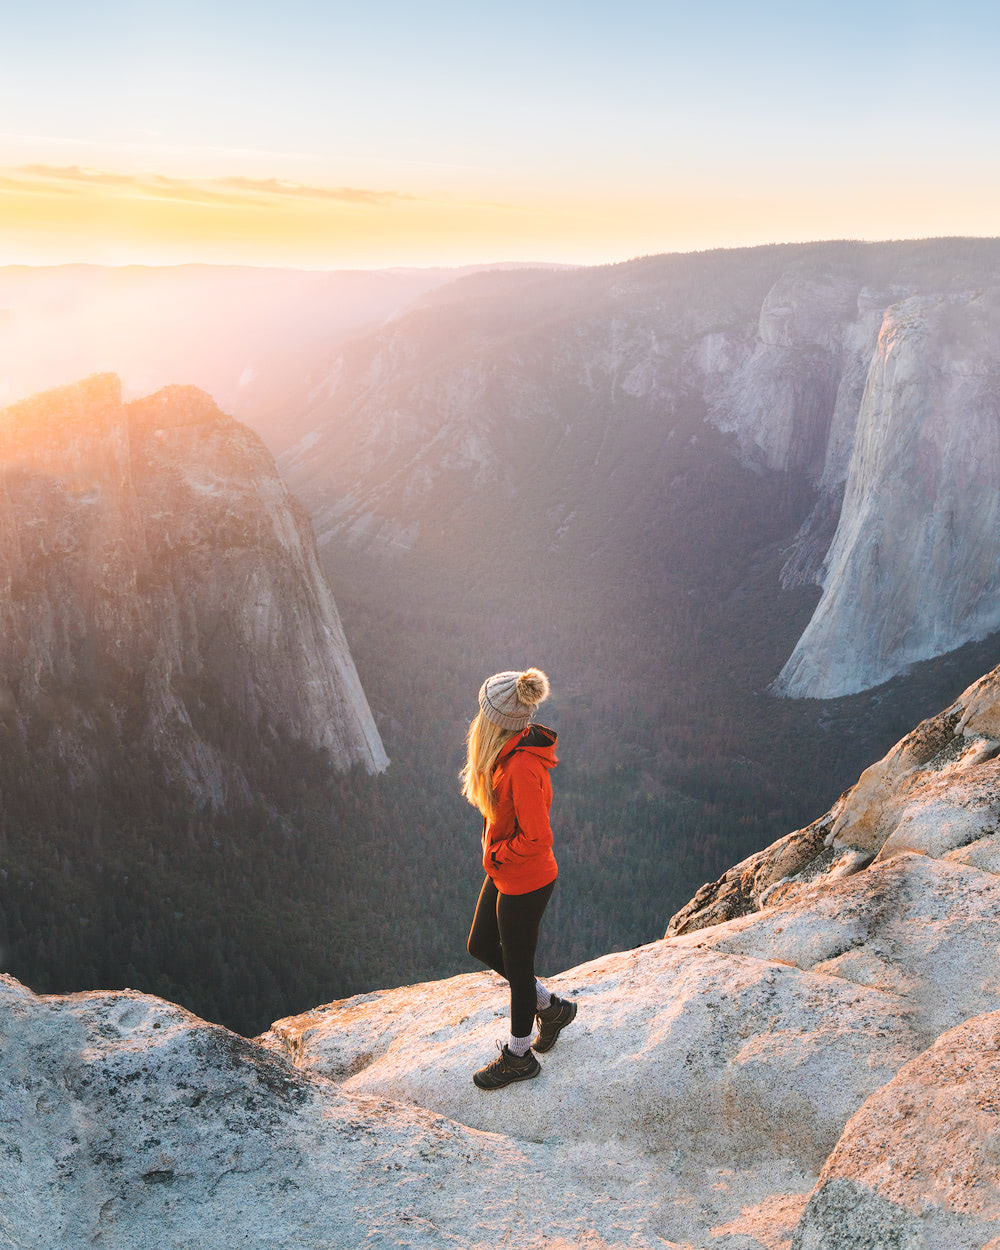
(807, 1063)
(157, 574)
(588, 404)
(911, 571)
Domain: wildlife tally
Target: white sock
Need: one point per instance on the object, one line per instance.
(519, 1045)
(542, 995)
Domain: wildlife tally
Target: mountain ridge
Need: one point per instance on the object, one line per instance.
(771, 346)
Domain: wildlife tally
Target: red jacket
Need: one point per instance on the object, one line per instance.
(517, 845)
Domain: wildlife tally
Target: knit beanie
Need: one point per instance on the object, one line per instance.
(510, 699)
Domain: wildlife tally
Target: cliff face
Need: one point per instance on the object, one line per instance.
(156, 575)
(865, 371)
(787, 390)
(817, 1071)
(912, 569)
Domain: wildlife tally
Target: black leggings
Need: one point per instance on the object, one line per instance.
(504, 935)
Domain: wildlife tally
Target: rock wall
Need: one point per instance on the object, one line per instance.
(868, 371)
(152, 561)
(912, 569)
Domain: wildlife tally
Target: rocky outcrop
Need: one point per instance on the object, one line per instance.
(911, 572)
(129, 1123)
(918, 1163)
(159, 580)
(936, 793)
(721, 1067)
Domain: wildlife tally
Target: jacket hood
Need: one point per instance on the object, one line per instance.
(537, 740)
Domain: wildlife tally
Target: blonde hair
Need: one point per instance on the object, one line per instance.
(485, 741)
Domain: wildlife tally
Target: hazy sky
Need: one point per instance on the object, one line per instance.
(328, 134)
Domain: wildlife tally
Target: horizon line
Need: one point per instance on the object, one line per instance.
(505, 263)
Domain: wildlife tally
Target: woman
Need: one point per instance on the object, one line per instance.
(506, 776)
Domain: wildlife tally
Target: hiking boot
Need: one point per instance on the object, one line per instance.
(505, 1068)
(551, 1021)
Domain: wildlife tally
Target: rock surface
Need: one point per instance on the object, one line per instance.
(911, 572)
(920, 1161)
(128, 1123)
(722, 1065)
(152, 563)
(741, 1059)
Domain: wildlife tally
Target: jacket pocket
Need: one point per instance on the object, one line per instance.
(514, 851)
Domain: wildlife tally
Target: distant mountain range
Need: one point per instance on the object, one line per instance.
(582, 412)
(865, 372)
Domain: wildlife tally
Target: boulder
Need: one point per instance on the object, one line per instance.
(918, 1165)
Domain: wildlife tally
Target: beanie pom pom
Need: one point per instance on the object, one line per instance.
(509, 699)
(532, 687)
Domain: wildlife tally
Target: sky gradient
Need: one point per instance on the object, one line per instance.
(328, 135)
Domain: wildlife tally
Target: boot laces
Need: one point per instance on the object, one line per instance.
(505, 1056)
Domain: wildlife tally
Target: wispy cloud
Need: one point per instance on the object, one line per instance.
(231, 191)
(279, 186)
(74, 173)
(81, 210)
